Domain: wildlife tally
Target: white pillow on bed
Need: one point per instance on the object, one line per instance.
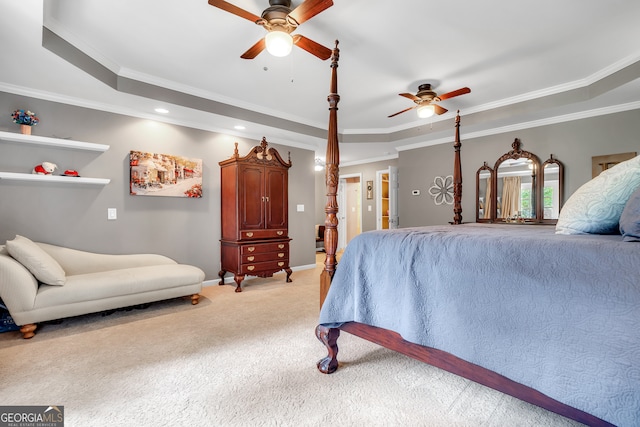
(595, 208)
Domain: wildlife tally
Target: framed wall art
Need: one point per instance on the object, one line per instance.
(153, 174)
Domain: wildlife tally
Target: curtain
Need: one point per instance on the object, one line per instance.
(487, 201)
(510, 196)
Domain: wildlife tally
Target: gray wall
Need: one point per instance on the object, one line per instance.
(573, 143)
(187, 230)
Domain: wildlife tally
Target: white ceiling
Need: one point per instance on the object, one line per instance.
(524, 62)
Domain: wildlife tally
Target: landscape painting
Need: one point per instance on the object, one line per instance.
(153, 174)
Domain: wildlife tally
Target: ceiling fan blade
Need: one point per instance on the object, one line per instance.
(309, 9)
(411, 97)
(254, 50)
(458, 92)
(312, 47)
(400, 112)
(438, 109)
(220, 4)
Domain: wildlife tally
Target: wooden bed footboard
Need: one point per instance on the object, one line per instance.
(448, 362)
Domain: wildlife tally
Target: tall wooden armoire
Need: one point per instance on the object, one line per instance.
(254, 215)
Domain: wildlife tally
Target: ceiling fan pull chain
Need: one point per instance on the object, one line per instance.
(291, 68)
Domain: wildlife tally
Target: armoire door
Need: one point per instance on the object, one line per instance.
(252, 197)
(276, 189)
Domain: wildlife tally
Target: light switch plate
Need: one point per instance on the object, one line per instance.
(112, 214)
(300, 208)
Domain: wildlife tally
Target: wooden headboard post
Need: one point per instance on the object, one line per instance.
(331, 176)
(457, 176)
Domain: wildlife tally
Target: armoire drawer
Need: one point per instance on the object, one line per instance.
(264, 247)
(257, 267)
(262, 234)
(267, 256)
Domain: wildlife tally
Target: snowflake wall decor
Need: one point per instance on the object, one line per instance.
(442, 190)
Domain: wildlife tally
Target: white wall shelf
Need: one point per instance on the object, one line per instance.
(53, 142)
(52, 178)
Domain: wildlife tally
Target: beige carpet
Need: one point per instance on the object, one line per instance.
(244, 359)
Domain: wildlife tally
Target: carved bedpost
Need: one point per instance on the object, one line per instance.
(457, 176)
(331, 177)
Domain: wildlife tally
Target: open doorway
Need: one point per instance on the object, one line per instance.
(349, 208)
(387, 198)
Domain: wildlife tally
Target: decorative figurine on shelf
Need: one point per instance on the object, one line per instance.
(46, 168)
(71, 172)
(25, 119)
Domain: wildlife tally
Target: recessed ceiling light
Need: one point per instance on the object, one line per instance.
(162, 110)
(239, 127)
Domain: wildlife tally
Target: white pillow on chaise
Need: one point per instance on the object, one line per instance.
(36, 260)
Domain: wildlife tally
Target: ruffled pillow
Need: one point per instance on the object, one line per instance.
(595, 208)
(630, 219)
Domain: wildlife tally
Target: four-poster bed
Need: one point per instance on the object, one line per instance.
(533, 331)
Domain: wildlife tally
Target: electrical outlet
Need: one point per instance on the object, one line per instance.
(112, 214)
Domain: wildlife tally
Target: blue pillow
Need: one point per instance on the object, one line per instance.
(595, 208)
(630, 218)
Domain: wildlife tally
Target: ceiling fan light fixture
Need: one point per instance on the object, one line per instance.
(279, 43)
(425, 111)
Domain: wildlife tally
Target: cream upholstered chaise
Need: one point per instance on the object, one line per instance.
(41, 282)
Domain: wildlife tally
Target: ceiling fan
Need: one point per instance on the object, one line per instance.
(280, 21)
(425, 99)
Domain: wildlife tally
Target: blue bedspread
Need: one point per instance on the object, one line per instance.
(557, 313)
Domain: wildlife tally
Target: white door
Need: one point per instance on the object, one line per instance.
(393, 197)
(342, 218)
(346, 213)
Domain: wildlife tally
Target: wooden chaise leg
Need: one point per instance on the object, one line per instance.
(195, 298)
(329, 337)
(28, 330)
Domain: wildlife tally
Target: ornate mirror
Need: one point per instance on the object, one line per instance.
(552, 179)
(484, 180)
(519, 189)
(515, 187)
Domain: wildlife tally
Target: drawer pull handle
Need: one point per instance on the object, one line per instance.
(249, 234)
(251, 248)
(280, 233)
(280, 264)
(281, 255)
(280, 246)
(251, 268)
(251, 258)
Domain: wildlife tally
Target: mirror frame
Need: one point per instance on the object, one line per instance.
(484, 167)
(551, 161)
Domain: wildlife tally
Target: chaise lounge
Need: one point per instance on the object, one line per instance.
(41, 282)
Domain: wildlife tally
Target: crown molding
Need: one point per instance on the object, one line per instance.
(530, 124)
